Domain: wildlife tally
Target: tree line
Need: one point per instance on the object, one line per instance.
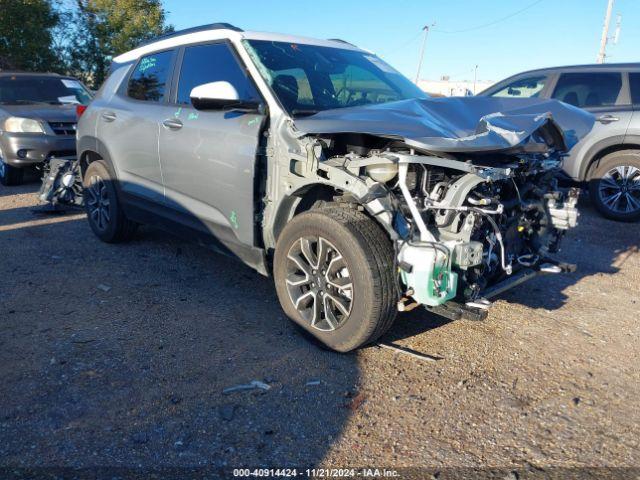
(75, 37)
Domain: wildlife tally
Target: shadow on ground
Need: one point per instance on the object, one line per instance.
(31, 183)
(597, 246)
(119, 355)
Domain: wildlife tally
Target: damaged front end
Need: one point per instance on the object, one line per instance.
(466, 228)
(468, 218)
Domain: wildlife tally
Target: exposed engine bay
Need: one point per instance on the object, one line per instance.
(466, 225)
(469, 217)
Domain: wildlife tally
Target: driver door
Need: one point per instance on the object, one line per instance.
(208, 158)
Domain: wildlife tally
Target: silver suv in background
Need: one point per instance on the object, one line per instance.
(608, 159)
(318, 163)
(37, 120)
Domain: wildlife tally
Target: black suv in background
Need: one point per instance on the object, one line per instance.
(37, 120)
(609, 157)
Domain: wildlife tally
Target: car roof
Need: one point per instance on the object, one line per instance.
(584, 67)
(221, 31)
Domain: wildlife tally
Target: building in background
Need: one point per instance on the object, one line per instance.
(445, 87)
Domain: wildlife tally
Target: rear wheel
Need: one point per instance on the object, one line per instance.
(10, 175)
(334, 275)
(105, 215)
(615, 186)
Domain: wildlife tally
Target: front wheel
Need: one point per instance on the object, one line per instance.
(9, 175)
(334, 274)
(615, 186)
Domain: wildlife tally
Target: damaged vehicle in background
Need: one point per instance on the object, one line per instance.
(317, 162)
(37, 120)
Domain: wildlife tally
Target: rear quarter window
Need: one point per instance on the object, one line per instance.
(150, 79)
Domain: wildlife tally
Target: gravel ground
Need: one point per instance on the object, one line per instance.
(119, 355)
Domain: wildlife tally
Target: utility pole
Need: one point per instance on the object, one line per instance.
(424, 44)
(605, 34)
(475, 78)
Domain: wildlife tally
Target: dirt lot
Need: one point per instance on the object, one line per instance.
(118, 355)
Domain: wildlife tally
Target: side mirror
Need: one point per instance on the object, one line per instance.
(220, 96)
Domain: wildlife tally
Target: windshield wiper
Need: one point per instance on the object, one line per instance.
(303, 111)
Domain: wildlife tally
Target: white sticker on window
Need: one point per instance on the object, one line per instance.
(68, 99)
(71, 83)
(380, 64)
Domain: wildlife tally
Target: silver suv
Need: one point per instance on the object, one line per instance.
(609, 158)
(316, 162)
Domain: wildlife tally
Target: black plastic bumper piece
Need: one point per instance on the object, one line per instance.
(457, 311)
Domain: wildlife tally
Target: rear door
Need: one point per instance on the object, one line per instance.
(633, 132)
(128, 126)
(208, 157)
(605, 95)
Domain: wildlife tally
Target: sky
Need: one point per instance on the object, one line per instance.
(467, 32)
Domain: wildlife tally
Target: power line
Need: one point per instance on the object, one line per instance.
(478, 27)
(484, 25)
(404, 44)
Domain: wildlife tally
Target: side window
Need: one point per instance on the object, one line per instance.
(598, 89)
(212, 63)
(523, 88)
(634, 83)
(149, 80)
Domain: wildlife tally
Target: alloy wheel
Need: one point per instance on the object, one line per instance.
(98, 203)
(619, 189)
(319, 283)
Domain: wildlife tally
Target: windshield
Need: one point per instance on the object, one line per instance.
(308, 78)
(25, 90)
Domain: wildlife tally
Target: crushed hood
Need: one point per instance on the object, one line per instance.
(465, 124)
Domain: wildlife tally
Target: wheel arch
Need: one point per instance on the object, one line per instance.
(302, 200)
(604, 150)
(86, 158)
(91, 150)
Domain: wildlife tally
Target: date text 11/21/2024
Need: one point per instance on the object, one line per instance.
(316, 472)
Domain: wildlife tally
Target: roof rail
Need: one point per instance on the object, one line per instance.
(201, 28)
(340, 40)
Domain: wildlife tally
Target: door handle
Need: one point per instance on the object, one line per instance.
(108, 116)
(607, 119)
(172, 124)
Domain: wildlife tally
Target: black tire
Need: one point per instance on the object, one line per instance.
(365, 250)
(603, 181)
(100, 196)
(10, 176)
